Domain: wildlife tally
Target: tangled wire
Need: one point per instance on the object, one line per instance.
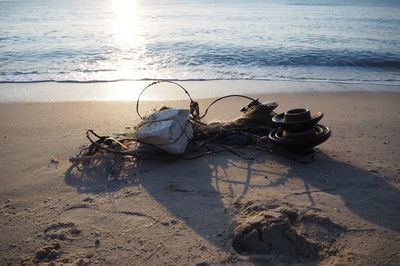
(249, 131)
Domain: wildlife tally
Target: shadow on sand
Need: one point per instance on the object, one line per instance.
(184, 188)
(191, 190)
(364, 193)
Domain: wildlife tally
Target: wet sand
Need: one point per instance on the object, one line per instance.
(188, 212)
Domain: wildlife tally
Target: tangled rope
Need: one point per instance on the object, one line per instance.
(204, 142)
(194, 106)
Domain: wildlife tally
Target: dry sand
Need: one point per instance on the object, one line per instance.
(344, 208)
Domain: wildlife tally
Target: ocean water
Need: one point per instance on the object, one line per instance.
(108, 40)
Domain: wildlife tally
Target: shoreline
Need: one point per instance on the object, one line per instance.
(129, 90)
(374, 83)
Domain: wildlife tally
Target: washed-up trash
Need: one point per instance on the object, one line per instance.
(299, 131)
(120, 134)
(170, 130)
(297, 120)
(255, 122)
(171, 133)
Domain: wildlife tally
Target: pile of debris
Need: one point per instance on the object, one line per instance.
(171, 133)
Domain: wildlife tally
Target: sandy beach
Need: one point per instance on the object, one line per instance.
(188, 212)
(232, 198)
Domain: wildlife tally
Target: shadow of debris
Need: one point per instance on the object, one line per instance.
(99, 177)
(184, 188)
(366, 194)
(190, 190)
(188, 193)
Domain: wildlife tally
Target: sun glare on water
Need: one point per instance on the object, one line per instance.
(128, 39)
(126, 22)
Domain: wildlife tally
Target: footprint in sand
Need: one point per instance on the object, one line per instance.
(61, 231)
(285, 231)
(54, 235)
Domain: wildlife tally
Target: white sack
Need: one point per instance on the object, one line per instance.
(169, 130)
